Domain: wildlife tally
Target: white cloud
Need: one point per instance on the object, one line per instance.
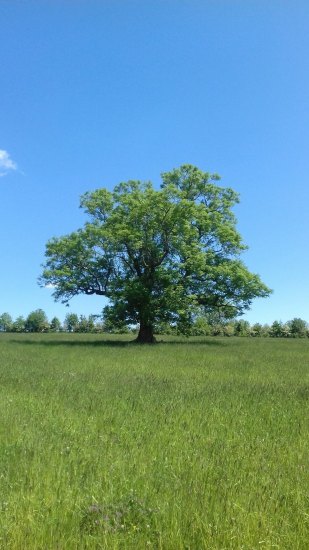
(50, 285)
(6, 163)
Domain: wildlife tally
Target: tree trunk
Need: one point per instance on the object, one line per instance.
(145, 335)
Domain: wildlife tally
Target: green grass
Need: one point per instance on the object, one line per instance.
(191, 444)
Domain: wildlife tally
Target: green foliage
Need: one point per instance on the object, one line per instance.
(19, 324)
(256, 330)
(55, 325)
(157, 255)
(113, 322)
(298, 327)
(165, 328)
(37, 321)
(6, 322)
(209, 324)
(242, 328)
(201, 327)
(71, 322)
(278, 330)
(85, 324)
(75, 323)
(228, 329)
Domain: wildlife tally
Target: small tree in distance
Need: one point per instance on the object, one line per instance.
(6, 322)
(19, 324)
(55, 325)
(157, 255)
(71, 322)
(37, 321)
(298, 327)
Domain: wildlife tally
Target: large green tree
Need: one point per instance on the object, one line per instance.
(158, 255)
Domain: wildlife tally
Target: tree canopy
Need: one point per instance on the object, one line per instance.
(37, 321)
(6, 322)
(158, 255)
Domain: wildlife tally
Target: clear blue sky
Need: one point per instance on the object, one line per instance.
(97, 92)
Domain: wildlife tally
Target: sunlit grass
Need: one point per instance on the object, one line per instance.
(191, 444)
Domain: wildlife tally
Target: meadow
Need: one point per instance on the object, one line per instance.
(197, 443)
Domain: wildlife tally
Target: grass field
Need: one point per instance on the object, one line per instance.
(190, 444)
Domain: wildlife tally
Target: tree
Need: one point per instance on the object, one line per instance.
(157, 255)
(242, 328)
(85, 324)
(6, 322)
(257, 330)
(200, 327)
(19, 324)
(278, 330)
(55, 325)
(37, 321)
(298, 327)
(71, 322)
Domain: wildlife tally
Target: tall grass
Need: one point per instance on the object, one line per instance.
(191, 444)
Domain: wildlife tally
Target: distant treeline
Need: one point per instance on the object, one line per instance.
(296, 328)
(37, 321)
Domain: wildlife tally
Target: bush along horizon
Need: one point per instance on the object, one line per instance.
(37, 321)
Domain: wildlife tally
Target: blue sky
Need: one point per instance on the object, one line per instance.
(96, 92)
